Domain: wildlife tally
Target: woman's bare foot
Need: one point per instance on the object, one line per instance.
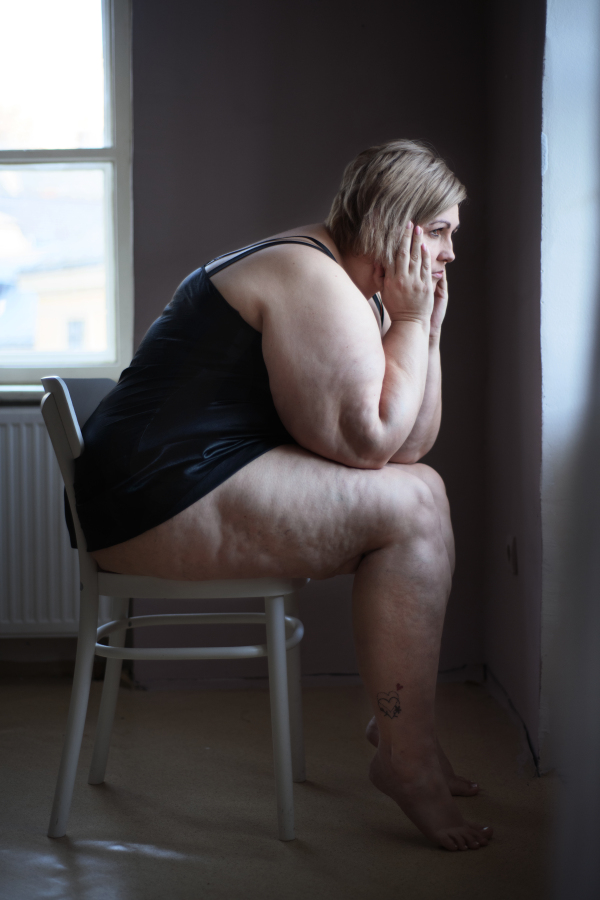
(459, 786)
(420, 790)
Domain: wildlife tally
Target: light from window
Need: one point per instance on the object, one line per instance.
(66, 288)
(51, 74)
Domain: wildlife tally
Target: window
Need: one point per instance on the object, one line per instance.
(66, 272)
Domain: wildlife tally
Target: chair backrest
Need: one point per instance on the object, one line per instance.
(86, 394)
(76, 399)
(64, 420)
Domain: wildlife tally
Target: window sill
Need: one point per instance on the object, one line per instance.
(20, 393)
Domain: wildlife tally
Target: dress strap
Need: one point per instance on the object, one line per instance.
(379, 305)
(215, 265)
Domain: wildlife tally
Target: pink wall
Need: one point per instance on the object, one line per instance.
(244, 116)
(513, 605)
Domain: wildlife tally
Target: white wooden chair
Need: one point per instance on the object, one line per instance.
(64, 415)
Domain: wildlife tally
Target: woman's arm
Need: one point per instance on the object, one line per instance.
(427, 425)
(339, 389)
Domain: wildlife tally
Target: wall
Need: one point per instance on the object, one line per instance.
(570, 288)
(513, 608)
(244, 117)
(570, 341)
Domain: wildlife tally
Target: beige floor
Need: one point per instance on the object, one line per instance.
(188, 808)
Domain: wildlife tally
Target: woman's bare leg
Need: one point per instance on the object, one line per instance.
(293, 513)
(400, 594)
(458, 785)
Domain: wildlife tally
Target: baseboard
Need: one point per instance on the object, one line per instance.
(471, 673)
(243, 684)
(475, 673)
(13, 670)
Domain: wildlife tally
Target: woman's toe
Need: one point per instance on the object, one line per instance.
(447, 841)
(462, 787)
(481, 835)
(461, 841)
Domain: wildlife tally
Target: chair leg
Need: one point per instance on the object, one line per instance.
(280, 716)
(108, 702)
(84, 662)
(294, 675)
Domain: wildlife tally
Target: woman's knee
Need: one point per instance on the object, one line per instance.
(432, 479)
(404, 506)
(435, 483)
(438, 489)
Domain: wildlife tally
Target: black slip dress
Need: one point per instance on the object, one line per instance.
(192, 409)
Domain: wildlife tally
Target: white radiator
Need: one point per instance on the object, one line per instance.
(39, 580)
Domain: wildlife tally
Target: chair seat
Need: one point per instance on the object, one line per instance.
(112, 585)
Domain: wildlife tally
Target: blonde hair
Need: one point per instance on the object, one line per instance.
(383, 189)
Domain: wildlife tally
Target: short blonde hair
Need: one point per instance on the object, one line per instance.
(383, 189)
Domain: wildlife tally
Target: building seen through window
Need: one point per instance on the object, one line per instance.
(52, 262)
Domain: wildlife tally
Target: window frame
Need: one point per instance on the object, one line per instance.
(116, 22)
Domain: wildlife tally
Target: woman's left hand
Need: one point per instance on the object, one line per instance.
(440, 304)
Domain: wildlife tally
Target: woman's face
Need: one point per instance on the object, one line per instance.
(437, 234)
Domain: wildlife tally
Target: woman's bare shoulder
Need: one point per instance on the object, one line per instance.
(275, 274)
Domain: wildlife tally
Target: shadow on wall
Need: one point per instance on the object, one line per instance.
(514, 389)
(576, 661)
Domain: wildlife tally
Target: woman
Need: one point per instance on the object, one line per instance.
(272, 423)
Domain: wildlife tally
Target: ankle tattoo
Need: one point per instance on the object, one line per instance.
(389, 704)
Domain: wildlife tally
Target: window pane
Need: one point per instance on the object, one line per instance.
(55, 285)
(51, 74)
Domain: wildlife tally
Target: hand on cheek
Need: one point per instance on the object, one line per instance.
(440, 304)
